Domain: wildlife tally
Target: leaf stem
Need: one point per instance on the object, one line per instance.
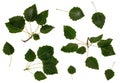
(81, 42)
(94, 6)
(27, 39)
(30, 27)
(113, 64)
(10, 61)
(34, 64)
(36, 29)
(62, 10)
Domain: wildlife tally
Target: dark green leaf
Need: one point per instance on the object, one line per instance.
(96, 39)
(30, 55)
(15, 24)
(76, 13)
(51, 61)
(107, 50)
(71, 70)
(45, 52)
(36, 37)
(71, 47)
(98, 19)
(109, 74)
(81, 50)
(50, 69)
(39, 75)
(42, 18)
(30, 13)
(69, 32)
(104, 43)
(8, 49)
(46, 29)
(91, 62)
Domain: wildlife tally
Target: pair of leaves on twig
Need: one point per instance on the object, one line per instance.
(45, 54)
(98, 18)
(17, 23)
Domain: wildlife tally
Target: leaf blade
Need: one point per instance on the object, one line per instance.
(46, 29)
(38, 75)
(71, 69)
(96, 39)
(69, 32)
(109, 74)
(81, 50)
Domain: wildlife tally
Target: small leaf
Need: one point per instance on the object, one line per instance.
(107, 50)
(109, 74)
(104, 43)
(91, 62)
(45, 52)
(36, 37)
(51, 61)
(98, 19)
(50, 69)
(30, 13)
(76, 13)
(30, 55)
(46, 29)
(15, 24)
(8, 49)
(71, 70)
(69, 32)
(42, 17)
(81, 50)
(96, 39)
(71, 47)
(39, 75)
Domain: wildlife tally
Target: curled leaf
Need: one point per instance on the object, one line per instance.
(8, 49)
(76, 13)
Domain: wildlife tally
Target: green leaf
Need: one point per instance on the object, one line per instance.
(109, 74)
(46, 29)
(96, 39)
(30, 55)
(76, 13)
(42, 17)
(107, 50)
(30, 13)
(71, 47)
(91, 62)
(51, 61)
(8, 49)
(81, 50)
(50, 69)
(38, 75)
(71, 70)
(45, 52)
(36, 37)
(104, 43)
(69, 32)
(15, 24)
(98, 19)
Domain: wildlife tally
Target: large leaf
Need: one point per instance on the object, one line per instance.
(71, 47)
(96, 39)
(50, 69)
(98, 19)
(45, 52)
(15, 24)
(104, 43)
(42, 17)
(76, 13)
(71, 70)
(38, 75)
(107, 50)
(30, 55)
(109, 74)
(69, 32)
(81, 50)
(46, 29)
(51, 61)
(8, 49)
(91, 62)
(30, 13)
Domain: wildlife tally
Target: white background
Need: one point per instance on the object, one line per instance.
(84, 27)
